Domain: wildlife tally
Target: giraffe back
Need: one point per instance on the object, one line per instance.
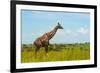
(41, 40)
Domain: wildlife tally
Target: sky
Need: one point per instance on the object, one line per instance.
(35, 23)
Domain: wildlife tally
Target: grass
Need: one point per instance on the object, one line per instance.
(57, 52)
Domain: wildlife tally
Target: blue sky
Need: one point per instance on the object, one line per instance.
(36, 23)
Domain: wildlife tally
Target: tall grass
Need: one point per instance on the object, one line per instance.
(57, 52)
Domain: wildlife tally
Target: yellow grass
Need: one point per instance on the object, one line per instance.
(57, 52)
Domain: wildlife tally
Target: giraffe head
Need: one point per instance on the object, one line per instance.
(59, 26)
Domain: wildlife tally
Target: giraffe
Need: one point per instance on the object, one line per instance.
(43, 41)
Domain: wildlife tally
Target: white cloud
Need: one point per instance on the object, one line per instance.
(82, 30)
(68, 31)
(63, 32)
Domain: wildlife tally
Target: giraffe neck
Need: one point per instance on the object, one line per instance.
(52, 33)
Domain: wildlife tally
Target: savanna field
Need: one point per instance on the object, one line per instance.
(57, 52)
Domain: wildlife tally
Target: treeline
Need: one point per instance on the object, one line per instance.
(84, 46)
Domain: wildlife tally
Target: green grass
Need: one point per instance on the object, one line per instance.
(57, 52)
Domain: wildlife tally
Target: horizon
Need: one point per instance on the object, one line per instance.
(60, 43)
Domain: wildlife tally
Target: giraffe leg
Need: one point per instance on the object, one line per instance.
(36, 50)
(46, 50)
